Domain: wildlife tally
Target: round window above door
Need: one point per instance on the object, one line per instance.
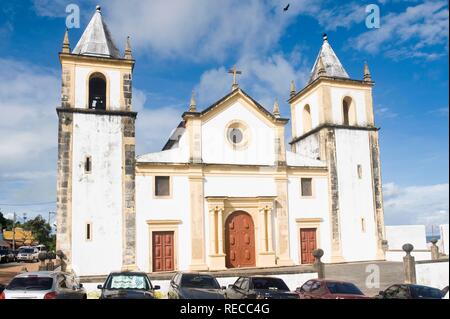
(238, 135)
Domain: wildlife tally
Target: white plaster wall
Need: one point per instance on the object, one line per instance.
(358, 96)
(150, 208)
(397, 255)
(397, 236)
(315, 207)
(443, 242)
(97, 197)
(82, 85)
(309, 147)
(217, 149)
(433, 274)
(313, 101)
(239, 186)
(355, 196)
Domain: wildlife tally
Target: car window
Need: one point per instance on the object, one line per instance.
(307, 286)
(245, 284)
(31, 283)
(423, 292)
(128, 281)
(62, 283)
(269, 284)
(315, 286)
(343, 288)
(239, 282)
(199, 281)
(391, 292)
(69, 281)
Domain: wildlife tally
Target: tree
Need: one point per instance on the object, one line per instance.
(41, 231)
(5, 223)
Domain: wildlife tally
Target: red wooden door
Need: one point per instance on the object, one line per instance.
(307, 244)
(240, 241)
(163, 251)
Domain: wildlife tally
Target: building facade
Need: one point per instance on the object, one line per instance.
(225, 191)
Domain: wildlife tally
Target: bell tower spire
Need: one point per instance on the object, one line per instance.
(66, 43)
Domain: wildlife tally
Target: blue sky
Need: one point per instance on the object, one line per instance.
(181, 45)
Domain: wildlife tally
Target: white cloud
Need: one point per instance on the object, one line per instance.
(421, 31)
(427, 204)
(385, 112)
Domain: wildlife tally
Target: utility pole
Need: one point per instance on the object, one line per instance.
(14, 231)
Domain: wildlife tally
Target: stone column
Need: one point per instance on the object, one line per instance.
(198, 256)
(220, 230)
(318, 265)
(266, 255)
(216, 251)
(409, 265)
(434, 250)
(282, 211)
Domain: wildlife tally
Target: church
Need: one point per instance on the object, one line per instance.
(227, 190)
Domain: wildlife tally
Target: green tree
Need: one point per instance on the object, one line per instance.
(41, 231)
(5, 223)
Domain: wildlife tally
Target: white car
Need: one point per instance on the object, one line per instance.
(28, 254)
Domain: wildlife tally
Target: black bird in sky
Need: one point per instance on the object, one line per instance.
(287, 7)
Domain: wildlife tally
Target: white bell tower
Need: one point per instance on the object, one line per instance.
(96, 154)
(333, 120)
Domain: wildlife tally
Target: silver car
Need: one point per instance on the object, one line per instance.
(44, 285)
(28, 254)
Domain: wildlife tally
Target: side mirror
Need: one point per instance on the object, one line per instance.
(100, 287)
(157, 287)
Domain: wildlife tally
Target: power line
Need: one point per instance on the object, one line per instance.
(30, 204)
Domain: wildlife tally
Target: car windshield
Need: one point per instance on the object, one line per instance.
(199, 281)
(419, 292)
(343, 288)
(26, 251)
(128, 282)
(269, 284)
(31, 283)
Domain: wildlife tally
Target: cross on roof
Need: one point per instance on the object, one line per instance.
(235, 72)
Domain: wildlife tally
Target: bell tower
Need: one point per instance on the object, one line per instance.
(333, 120)
(96, 154)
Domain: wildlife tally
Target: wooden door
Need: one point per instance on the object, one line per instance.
(307, 244)
(240, 241)
(163, 251)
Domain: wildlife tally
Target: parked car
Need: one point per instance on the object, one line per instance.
(7, 256)
(259, 288)
(195, 286)
(28, 254)
(2, 287)
(41, 248)
(44, 285)
(127, 285)
(408, 291)
(329, 289)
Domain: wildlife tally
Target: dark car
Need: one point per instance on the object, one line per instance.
(195, 286)
(259, 288)
(329, 289)
(128, 285)
(7, 256)
(408, 291)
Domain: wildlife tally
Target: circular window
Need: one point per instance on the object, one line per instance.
(237, 134)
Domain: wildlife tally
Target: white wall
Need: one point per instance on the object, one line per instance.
(309, 147)
(356, 199)
(82, 86)
(217, 149)
(358, 97)
(97, 197)
(313, 101)
(433, 274)
(150, 208)
(397, 236)
(315, 207)
(443, 242)
(239, 186)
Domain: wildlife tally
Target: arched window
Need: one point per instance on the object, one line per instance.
(349, 112)
(97, 91)
(307, 121)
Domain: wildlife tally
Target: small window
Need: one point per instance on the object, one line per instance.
(88, 231)
(162, 186)
(97, 91)
(363, 225)
(359, 171)
(306, 185)
(88, 165)
(236, 136)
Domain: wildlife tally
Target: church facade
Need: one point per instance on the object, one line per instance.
(227, 190)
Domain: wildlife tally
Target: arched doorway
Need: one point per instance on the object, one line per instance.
(240, 240)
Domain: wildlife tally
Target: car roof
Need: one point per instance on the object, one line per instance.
(128, 272)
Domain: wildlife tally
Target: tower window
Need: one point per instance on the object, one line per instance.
(307, 121)
(97, 91)
(88, 231)
(88, 165)
(349, 112)
(359, 168)
(162, 186)
(306, 187)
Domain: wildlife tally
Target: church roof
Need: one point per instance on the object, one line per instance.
(331, 63)
(96, 39)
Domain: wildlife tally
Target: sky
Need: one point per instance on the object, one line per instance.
(185, 45)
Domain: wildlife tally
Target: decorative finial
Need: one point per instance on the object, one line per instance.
(66, 43)
(276, 109)
(128, 52)
(98, 9)
(321, 67)
(325, 37)
(235, 72)
(367, 75)
(293, 89)
(193, 104)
